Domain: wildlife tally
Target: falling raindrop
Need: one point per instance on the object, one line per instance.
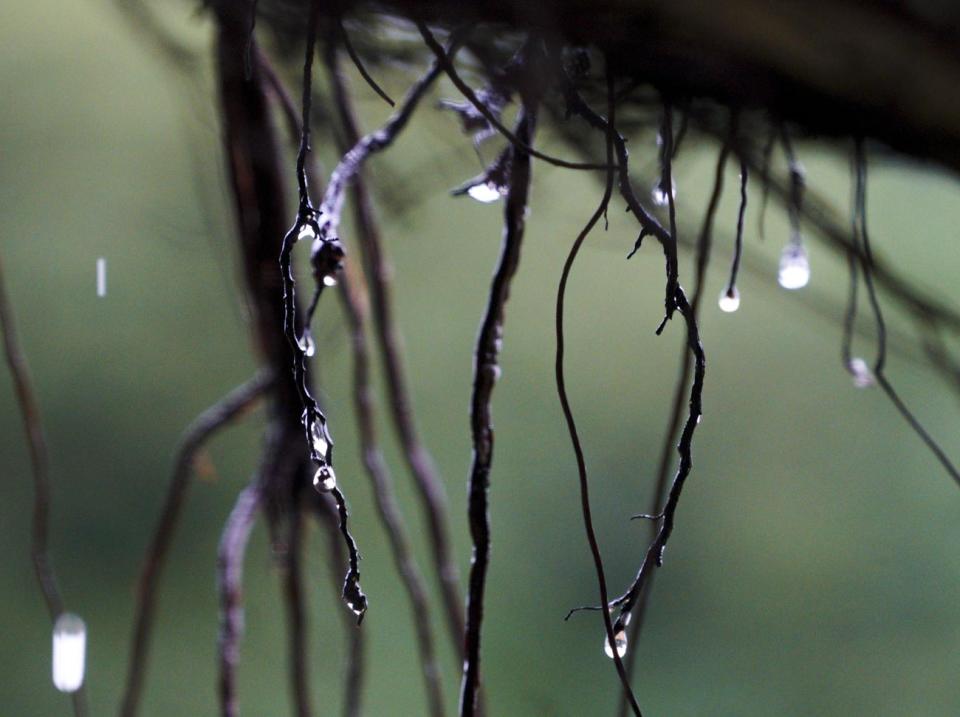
(794, 266)
(101, 277)
(325, 480)
(485, 192)
(620, 640)
(659, 192)
(729, 300)
(862, 376)
(69, 652)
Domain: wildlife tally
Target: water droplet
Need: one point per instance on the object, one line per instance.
(485, 192)
(69, 652)
(325, 480)
(319, 441)
(729, 300)
(307, 232)
(699, 418)
(862, 376)
(306, 343)
(620, 640)
(101, 277)
(329, 280)
(659, 192)
(794, 267)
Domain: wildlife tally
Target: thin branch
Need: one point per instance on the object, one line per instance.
(738, 241)
(40, 469)
(565, 403)
(420, 463)
(233, 546)
(446, 63)
(361, 68)
(354, 304)
(866, 263)
(486, 371)
(355, 662)
(226, 410)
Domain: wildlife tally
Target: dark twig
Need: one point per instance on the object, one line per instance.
(233, 546)
(297, 632)
(419, 461)
(446, 63)
(486, 372)
(738, 241)
(866, 263)
(40, 468)
(361, 68)
(354, 304)
(608, 125)
(355, 663)
(680, 392)
(226, 410)
(326, 258)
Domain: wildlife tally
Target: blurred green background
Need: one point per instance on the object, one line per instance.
(815, 566)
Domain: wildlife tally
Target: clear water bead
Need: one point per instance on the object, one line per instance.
(862, 376)
(329, 280)
(306, 344)
(306, 232)
(729, 300)
(659, 194)
(325, 480)
(69, 652)
(101, 277)
(794, 267)
(620, 640)
(318, 440)
(485, 192)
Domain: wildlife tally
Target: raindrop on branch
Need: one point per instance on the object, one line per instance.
(729, 300)
(325, 480)
(318, 440)
(659, 192)
(69, 652)
(862, 375)
(620, 640)
(485, 192)
(794, 267)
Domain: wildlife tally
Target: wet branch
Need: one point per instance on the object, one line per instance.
(420, 463)
(568, 412)
(486, 372)
(293, 594)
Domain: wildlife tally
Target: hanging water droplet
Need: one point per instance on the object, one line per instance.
(329, 280)
(620, 640)
(307, 232)
(699, 418)
(659, 192)
(69, 652)
(306, 344)
(319, 441)
(794, 267)
(101, 277)
(862, 376)
(485, 192)
(729, 300)
(325, 480)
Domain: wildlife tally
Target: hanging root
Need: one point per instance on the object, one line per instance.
(486, 371)
(293, 594)
(421, 466)
(225, 411)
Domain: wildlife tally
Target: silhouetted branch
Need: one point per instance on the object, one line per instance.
(361, 68)
(607, 125)
(486, 372)
(296, 615)
(419, 461)
(226, 410)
